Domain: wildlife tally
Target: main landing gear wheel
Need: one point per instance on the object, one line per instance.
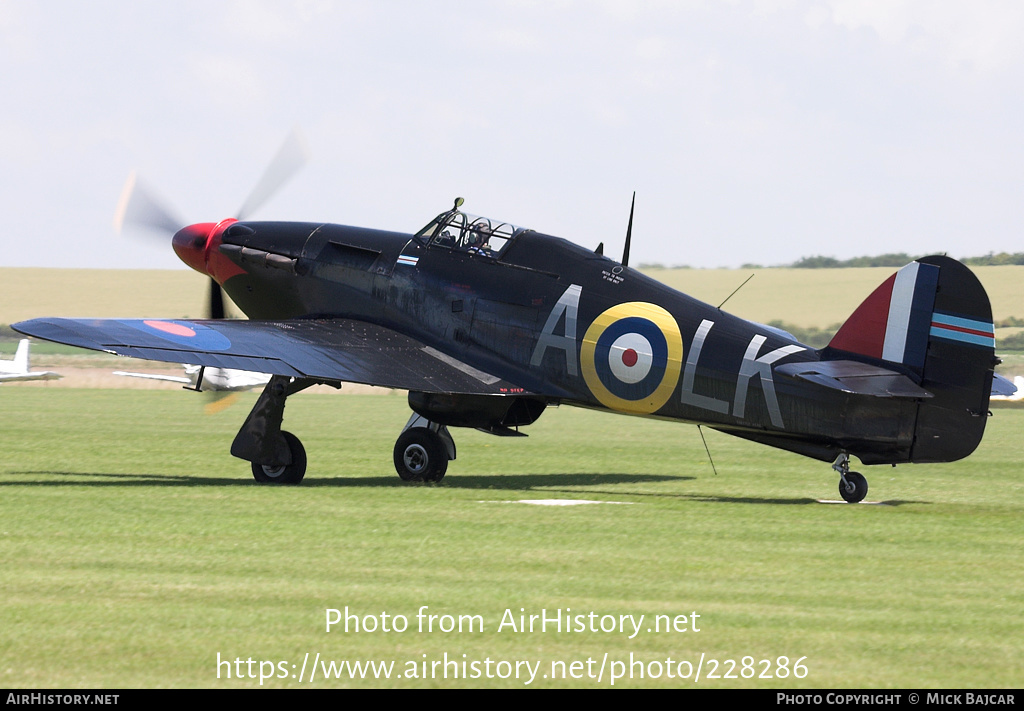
(286, 473)
(854, 489)
(420, 455)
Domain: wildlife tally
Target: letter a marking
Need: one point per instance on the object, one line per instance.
(568, 304)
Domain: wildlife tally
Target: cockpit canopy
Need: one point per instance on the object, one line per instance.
(459, 231)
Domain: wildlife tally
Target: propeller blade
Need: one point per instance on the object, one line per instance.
(216, 305)
(292, 155)
(218, 401)
(140, 207)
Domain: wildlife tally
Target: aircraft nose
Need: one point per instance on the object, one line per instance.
(190, 244)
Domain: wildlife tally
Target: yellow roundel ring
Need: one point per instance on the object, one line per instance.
(631, 357)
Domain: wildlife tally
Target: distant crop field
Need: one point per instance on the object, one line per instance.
(804, 297)
(138, 553)
(819, 297)
(808, 298)
(103, 293)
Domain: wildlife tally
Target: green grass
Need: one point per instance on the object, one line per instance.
(136, 549)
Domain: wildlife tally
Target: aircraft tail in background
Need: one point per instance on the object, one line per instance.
(18, 368)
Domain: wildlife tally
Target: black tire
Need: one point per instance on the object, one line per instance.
(289, 474)
(855, 488)
(420, 455)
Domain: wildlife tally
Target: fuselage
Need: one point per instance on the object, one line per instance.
(556, 319)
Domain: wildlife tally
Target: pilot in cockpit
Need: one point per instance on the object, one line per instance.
(477, 239)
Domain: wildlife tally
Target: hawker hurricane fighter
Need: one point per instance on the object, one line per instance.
(487, 324)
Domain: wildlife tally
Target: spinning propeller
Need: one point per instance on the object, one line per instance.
(197, 245)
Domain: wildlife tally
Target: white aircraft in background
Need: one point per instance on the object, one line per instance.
(18, 369)
(203, 379)
(222, 383)
(1008, 394)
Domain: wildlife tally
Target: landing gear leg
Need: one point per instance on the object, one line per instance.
(423, 450)
(277, 457)
(853, 487)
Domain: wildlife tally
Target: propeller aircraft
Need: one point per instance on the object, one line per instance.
(221, 385)
(18, 369)
(487, 324)
(208, 380)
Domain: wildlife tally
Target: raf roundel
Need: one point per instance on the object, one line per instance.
(188, 333)
(631, 357)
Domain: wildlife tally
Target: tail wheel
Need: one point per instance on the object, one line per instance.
(854, 488)
(286, 473)
(420, 455)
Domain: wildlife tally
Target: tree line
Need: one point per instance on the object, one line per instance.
(899, 259)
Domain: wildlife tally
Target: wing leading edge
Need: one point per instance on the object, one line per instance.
(322, 349)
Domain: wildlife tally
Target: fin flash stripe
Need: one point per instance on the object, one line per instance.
(964, 330)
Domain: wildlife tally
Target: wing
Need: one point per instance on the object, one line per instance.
(321, 349)
(154, 376)
(42, 375)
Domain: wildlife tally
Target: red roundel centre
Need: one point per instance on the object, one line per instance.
(629, 357)
(175, 329)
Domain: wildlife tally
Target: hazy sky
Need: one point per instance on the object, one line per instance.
(752, 131)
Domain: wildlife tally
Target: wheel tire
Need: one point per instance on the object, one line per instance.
(288, 474)
(855, 488)
(420, 455)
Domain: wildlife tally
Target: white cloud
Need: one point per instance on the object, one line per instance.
(270, 21)
(754, 128)
(983, 35)
(19, 29)
(231, 82)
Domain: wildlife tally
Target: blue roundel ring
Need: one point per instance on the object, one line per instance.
(184, 333)
(631, 357)
(612, 350)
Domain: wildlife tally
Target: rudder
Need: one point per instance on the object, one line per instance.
(958, 369)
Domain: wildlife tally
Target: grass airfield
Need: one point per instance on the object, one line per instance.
(136, 550)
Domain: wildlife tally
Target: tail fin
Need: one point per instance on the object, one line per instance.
(933, 319)
(21, 357)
